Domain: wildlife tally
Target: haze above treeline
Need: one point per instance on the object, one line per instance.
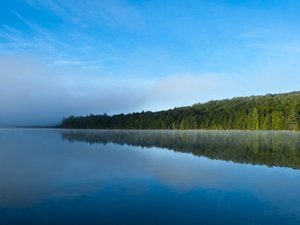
(60, 58)
(268, 112)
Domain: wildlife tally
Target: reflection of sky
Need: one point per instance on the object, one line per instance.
(39, 165)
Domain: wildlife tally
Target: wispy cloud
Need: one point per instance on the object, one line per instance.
(81, 57)
(50, 5)
(86, 13)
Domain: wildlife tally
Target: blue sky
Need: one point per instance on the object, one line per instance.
(79, 57)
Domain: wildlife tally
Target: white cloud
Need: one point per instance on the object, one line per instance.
(32, 92)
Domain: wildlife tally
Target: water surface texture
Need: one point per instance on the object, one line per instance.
(149, 177)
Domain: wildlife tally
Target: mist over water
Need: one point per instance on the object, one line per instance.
(60, 59)
(79, 176)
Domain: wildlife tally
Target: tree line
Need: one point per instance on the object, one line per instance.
(268, 112)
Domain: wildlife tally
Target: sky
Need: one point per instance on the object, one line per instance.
(63, 57)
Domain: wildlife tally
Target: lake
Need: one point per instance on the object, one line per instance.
(50, 176)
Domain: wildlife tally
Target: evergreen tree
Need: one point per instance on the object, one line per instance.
(269, 112)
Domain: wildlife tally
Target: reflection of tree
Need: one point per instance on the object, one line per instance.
(269, 148)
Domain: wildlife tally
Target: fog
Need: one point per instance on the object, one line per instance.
(35, 93)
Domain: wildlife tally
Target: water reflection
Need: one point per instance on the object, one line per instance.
(80, 177)
(255, 147)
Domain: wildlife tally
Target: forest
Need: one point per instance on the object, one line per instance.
(268, 112)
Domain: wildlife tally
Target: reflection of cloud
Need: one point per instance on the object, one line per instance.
(38, 165)
(39, 169)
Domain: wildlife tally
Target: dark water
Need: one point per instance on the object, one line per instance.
(149, 177)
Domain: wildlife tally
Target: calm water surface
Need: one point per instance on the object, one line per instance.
(149, 177)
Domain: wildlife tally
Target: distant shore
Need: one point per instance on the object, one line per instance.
(268, 112)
